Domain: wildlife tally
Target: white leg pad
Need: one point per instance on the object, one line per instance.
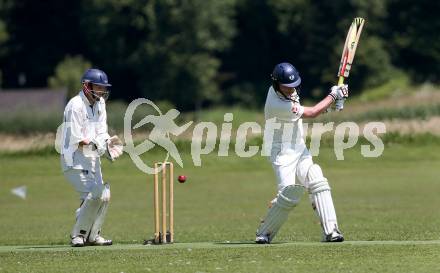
(321, 199)
(91, 214)
(99, 221)
(96, 228)
(77, 213)
(86, 217)
(286, 200)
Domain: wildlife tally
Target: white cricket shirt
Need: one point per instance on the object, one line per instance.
(82, 121)
(285, 123)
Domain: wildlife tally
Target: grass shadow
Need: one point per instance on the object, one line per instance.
(244, 243)
(42, 247)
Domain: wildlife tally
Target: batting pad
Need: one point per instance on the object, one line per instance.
(321, 198)
(278, 213)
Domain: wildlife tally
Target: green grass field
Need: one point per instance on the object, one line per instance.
(387, 208)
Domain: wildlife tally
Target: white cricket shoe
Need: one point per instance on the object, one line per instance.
(100, 241)
(335, 236)
(262, 239)
(77, 241)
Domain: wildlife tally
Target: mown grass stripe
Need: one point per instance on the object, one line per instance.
(204, 245)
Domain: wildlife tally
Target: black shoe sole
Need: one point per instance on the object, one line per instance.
(93, 244)
(336, 240)
(77, 245)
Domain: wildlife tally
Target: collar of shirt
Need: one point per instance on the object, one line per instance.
(87, 103)
(85, 99)
(293, 98)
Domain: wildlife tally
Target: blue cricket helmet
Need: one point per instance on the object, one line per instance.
(95, 76)
(286, 74)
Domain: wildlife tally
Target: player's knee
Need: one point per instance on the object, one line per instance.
(100, 191)
(316, 179)
(290, 196)
(83, 196)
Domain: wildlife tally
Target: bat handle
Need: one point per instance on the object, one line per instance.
(339, 104)
(341, 80)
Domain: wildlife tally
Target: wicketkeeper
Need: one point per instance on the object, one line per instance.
(293, 165)
(85, 140)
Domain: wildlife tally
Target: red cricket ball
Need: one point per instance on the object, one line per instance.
(181, 178)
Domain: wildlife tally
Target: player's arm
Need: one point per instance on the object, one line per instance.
(314, 111)
(73, 120)
(336, 93)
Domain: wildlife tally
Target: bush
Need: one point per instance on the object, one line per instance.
(398, 83)
(68, 74)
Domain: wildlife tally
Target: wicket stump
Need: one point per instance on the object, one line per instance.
(162, 235)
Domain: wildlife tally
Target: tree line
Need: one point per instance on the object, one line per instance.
(195, 53)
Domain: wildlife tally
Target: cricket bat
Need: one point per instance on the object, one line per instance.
(351, 43)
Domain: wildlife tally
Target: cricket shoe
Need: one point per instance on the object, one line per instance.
(262, 239)
(100, 241)
(335, 236)
(77, 241)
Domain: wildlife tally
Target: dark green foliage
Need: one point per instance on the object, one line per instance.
(411, 31)
(197, 53)
(67, 74)
(41, 34)
(160, 49)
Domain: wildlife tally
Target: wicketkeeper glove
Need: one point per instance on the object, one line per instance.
(100, 142)
(111, 147)
(114, 148)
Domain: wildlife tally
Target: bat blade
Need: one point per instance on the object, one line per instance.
(351, 43)
(349, 49)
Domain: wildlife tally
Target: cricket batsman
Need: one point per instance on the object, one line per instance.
(293, 165)
(84, 140)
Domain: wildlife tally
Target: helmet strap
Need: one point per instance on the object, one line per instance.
(283, 96)
(87, 88)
